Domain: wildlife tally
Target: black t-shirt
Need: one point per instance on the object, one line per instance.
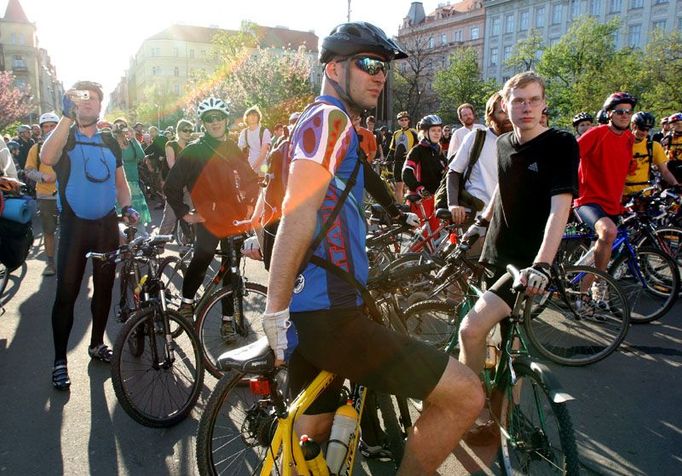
(529, 175)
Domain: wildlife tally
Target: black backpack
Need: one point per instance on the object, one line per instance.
(15, 242)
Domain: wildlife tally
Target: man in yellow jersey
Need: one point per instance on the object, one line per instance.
(401, 143)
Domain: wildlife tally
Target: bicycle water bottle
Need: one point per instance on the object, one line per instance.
(344, 427)
(587, 259)
(313, 456)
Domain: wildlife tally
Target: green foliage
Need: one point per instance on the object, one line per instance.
(661, 70)
(462, 83)
(526, 53)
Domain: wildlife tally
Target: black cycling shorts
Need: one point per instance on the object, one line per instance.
(501, 285)
(398, 169)
(352, 346)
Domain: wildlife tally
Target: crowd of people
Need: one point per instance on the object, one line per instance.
(514, 177)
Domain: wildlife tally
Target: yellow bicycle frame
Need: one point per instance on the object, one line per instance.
(292, 461)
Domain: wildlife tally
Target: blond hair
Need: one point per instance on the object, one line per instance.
(522, 80)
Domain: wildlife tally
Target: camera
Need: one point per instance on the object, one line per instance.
(80, 94)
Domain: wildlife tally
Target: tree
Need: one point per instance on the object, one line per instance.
(526, 53)
(661, 71)
(14, 102)
(412, 79)
(462, 83)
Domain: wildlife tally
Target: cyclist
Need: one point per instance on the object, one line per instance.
(90, 180)
(645, 153)
(423, 169)
(315, 318)
(223, 188)
(658, 137)
(673, 145)
(582, 122)
(402, 142)
(466, 113)
(527, 214)
(605, 155)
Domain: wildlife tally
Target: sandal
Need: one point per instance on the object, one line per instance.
(101, 352)
(60, 376)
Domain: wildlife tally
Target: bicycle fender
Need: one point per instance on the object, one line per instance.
(548, 379)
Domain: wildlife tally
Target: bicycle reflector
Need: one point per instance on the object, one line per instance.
(259, 386)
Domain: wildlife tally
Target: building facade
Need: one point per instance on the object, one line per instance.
(31, 65)
(166, 62)
(509, 21)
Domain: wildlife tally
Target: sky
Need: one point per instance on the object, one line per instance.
(95, 40)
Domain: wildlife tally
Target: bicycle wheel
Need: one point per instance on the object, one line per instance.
(4, 279)
(536, 433)
(671, 242)
(172, 272)
(157, 390)
(395, 415)
(582, 326)
(651, 283)
(235, 429)
(434, 322)
(209, 324)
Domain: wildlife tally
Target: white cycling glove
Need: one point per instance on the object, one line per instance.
(411, 219)
(537, 276)
(281, 333)
(475, 231)
(251, 248)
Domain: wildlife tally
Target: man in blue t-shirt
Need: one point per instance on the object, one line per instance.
(315, 319)
(90, 180)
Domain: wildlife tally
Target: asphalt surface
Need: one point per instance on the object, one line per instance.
(627, 413)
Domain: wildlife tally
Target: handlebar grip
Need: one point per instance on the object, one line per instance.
(93, 255)
(516, 274)
(162, 239)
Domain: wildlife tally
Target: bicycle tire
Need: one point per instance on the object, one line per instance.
(524, 417)
(581, 331)
(222, 447)
(672, 237)
(396, 423)
(209, 321)
(156, 392)
(172, 273)
(4, 280)
(661, 287)
(434, 322)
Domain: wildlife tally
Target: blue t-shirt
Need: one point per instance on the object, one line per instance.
(91, 185)
(324, 134)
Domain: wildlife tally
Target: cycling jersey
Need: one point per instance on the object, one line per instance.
(324, 134)
(604, 161)
(402, 142)
(640, 165)
(674, 147)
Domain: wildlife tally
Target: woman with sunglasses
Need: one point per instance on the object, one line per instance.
(132, 156)
(184, 130)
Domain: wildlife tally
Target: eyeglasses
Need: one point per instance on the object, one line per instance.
(211, 118)
(535, 101)
(188, 131)
(372, 66)
(623, 112)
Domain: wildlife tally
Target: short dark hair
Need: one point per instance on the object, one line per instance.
(90, 86)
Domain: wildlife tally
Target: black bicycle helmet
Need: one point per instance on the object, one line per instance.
(348, 39)
(430, 121)
(644, 120)
(602, 117)
(582, 116)
(619, 98)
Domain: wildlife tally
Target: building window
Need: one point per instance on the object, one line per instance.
(202, 53)
(634, 35)
(191, 53)
(595, 11)
(616, 6)
(540, 17)
(575, 8)
(679, 23)
(475, 32)
(556, 14)
(495, 28)
(176, 89)
(637, 4)
(494, 56)
(616, 38)
(659, 25)
(509, 24)
(176, 52)
(443, 39)
(524, 20)
(507, 53)
(18, 62)
(658, 2)
(20, 37)
(156, 70)
(553, 41)
(176, 71)
(457, 35)
(20, 83)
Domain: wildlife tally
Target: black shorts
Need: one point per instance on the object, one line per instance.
(352, 346)
(501, 285)
(398, 169)
(591, 213)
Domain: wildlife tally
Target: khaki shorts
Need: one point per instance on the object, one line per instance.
(48, 215)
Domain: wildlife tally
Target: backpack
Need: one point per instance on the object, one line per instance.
(246, 140)
(15, 242)
(275, 184)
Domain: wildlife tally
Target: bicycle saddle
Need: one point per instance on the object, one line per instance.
(256, 358)
(443, 213)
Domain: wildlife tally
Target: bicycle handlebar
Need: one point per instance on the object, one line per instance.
(516, 274)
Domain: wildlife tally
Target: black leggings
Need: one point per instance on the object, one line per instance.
(204, 250)
(76, 238)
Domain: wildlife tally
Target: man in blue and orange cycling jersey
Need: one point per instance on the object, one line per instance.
(315, 318)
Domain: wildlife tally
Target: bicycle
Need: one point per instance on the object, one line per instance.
(156, 368)
(247, 299)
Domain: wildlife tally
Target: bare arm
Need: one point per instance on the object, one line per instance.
(307, 186)
(261, 157)
(487, 213)
(667, 175)
(554, 230)
(52, 148)
(170, 157)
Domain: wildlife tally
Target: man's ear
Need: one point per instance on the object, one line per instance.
(333, 70)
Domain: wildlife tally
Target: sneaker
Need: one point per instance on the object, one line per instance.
(49, 270)
(379, 452)
(101, 352)
(186, 310)
(600, 294)
(227, 331)
(60, 376)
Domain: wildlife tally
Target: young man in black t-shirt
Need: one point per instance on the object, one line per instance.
(538, 179)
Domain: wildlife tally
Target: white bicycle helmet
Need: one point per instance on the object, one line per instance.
(48, 117)
(212, 104)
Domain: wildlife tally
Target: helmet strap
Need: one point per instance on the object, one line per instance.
(345, 95)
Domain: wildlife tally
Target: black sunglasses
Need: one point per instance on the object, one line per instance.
(210, 118)
(622, 112)
(372, 66)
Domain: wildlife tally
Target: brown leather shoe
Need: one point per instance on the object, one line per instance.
(482, 434)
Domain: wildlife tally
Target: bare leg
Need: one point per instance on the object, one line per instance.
(49, 245)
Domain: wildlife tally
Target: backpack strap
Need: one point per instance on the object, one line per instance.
(475, 154)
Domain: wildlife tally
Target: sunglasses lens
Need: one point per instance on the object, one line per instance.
(371, 66)
(213, 118)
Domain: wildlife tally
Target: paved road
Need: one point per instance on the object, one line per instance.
(626, 414)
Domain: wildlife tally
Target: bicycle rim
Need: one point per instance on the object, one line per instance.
(583, 325)
(537, 435)
(172, 272)
(433, 322)
(209, 325)
(155, 390)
